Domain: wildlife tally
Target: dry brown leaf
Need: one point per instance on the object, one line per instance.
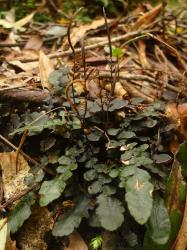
(119, 90)
(178, 116)
(45, 69)
(3, 233)
(11, 38)
(2, 79)
(78, 33)
(147, 18)
(24, 66)
(172, 113)
(76, 242)
(13, 183)
(174, 144)
(182, 110)
(79, 87)
(181, 240)
(10, 16)
(22, 22)
(16, 25)
(35, 42)
(93, 88)
(22, 55)
(10, 244)
(142, 54)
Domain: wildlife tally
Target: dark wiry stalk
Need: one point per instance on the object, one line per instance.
(84, 72)
(164, 3)
(110, 50)
(72, 48)
(83, 58)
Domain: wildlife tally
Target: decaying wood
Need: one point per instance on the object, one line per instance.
(31, 96)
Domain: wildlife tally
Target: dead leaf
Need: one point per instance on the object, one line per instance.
(3, 233)
(2, 79)
(174, 144)
(79, 87)
(22, 22)
(119, 90)
(182, 110)
(5, 24)
(13, 183)
(147, 18)
(24, 66)
(35, 43)
(93, 88)
(142, 54)
(172, 113)
(78, 33)
(10, 244)
(178, 116)
(10, 16)
(8, 24)
(45, 69)
(22, 55)
(76, 242)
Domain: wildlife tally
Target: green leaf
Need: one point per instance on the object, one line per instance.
(113, 131)
(126, 135)
(90, 175)
(76, 124)
(91, 162)
(127, 155)
(58, 79)
(67, 163)
(117, 104)
(20, 213)
(127, 171)
(161, 158)
(150, 123)
(105, 2)
(66, 223)
(117, 52)
(138, 196)
(175, 200)
(114, 173)
(159, 222)
(108, 190)
(136, 100)
(95, 135)
(51, 190)
(96, 242)
(110, 212)
(182, 158)
(95, 187)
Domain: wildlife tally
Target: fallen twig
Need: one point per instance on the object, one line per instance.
(16, 148)
(32, 96)
(16, 197)
(93, 46)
